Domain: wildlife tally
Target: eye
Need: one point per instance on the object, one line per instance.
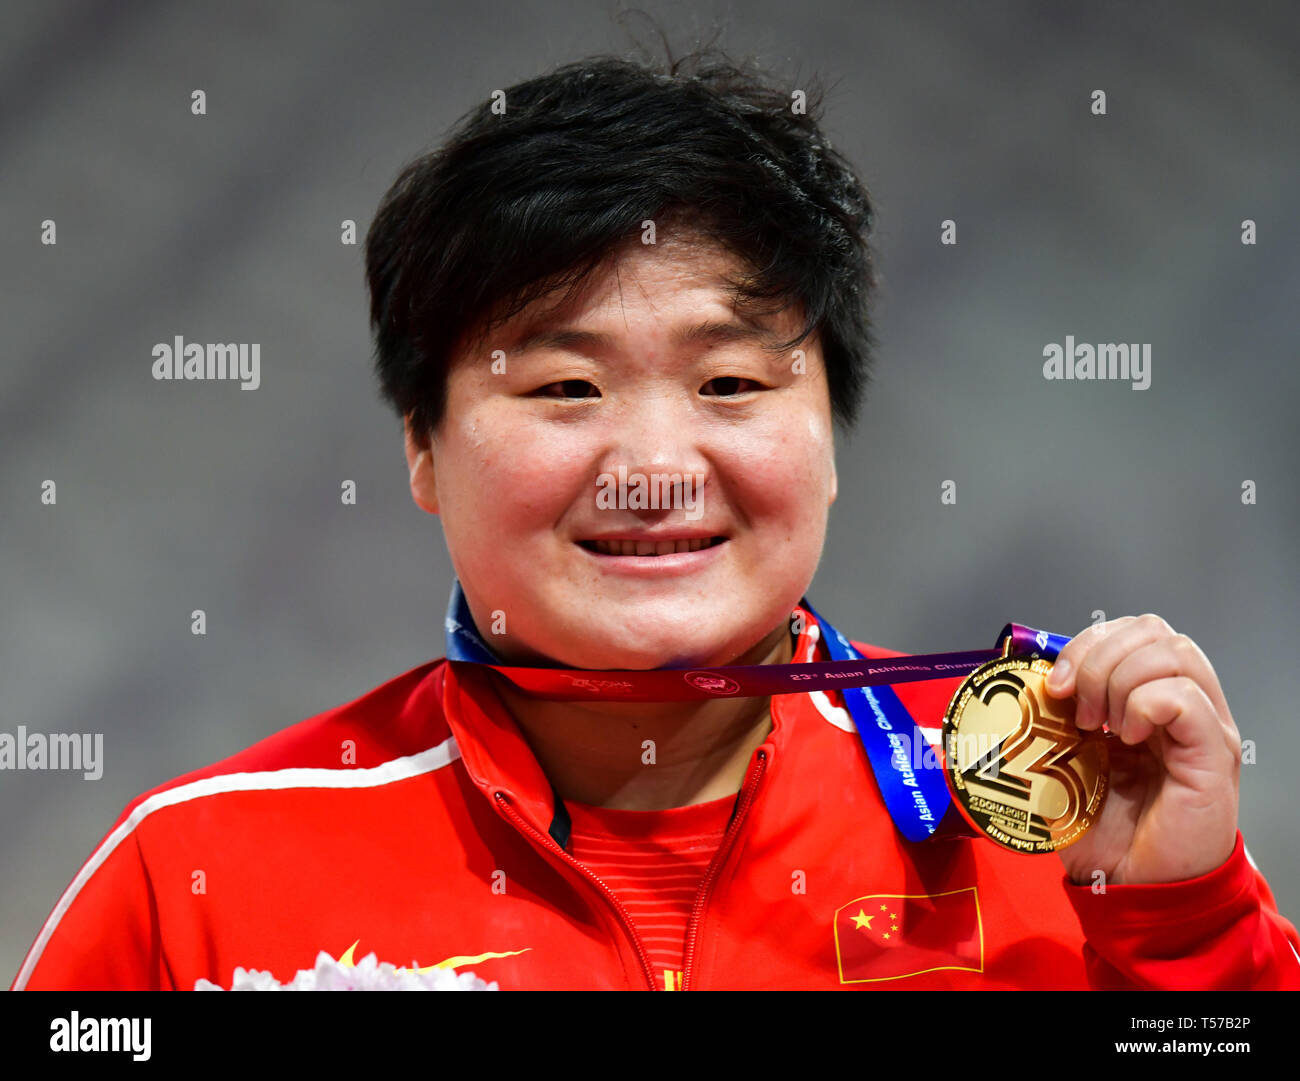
(727, 386)
(568, 388)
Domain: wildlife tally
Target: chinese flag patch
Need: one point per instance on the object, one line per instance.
(889, 936)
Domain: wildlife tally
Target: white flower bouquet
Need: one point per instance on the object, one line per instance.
(366, 975)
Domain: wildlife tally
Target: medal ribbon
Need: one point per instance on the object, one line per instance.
(916, 797)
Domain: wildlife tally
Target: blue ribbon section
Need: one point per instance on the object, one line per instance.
(464, 643)
(1029, 642)
(915, 796)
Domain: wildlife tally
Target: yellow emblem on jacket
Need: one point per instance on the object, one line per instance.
(348, 960)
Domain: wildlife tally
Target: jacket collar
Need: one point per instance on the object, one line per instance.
(498, 758)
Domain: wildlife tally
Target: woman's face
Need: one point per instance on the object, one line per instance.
(634, 482)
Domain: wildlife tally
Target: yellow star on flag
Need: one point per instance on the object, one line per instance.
(862, 920)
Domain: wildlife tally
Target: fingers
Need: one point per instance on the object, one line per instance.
(1087, 658)
(1177, 704)
(1169, 657)
(1173, 749)
(1137, 674)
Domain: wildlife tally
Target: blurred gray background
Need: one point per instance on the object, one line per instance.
(1071, 497)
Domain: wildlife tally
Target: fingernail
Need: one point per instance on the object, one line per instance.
(1059, 674)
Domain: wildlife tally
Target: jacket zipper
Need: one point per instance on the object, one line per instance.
(748, 793)
(548, 844)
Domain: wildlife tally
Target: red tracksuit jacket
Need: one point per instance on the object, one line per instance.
(416, 823)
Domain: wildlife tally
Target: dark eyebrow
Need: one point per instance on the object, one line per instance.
(712, 332)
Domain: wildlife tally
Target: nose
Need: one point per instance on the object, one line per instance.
(656, 450)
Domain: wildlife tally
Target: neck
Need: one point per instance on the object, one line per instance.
(596, 752)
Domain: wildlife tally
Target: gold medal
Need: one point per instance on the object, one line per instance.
(1018, 769)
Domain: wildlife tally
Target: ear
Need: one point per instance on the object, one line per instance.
(835, 482)
(419, 460)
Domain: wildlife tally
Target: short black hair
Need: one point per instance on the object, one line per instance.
(519, 202)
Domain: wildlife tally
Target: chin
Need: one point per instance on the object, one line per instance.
(662, 648)
(602, 653)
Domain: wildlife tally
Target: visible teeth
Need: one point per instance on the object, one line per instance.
(651, 548)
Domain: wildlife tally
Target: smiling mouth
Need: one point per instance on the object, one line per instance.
(648, 547)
